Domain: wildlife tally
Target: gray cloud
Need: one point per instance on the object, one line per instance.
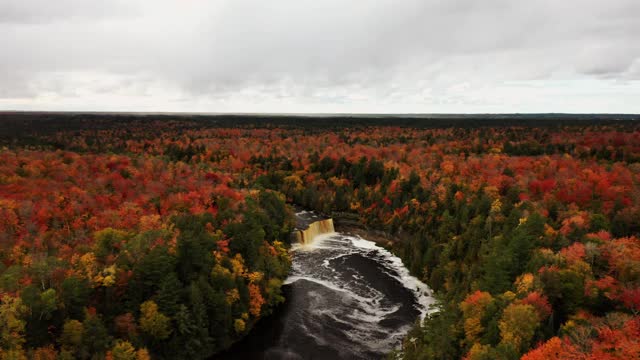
(45, 11)
(316, 54)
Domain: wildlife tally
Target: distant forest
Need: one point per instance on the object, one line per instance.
(131, 236)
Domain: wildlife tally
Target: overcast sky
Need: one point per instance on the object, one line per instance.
(382, 56)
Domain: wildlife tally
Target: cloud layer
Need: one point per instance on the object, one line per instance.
(321, 56)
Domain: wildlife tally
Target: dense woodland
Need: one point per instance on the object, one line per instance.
(132, 255)
(167, 238)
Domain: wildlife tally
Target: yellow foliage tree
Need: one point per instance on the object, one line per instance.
(478, 352)
(143, 354)
(524, 283)
(232, 296)
(496, 206)
(281, 250)
(239, 325)
(154, 322)
(12, 327)
(123, 350)
(72, 332)
(86, 266)
(293, 182)
(473, 308)
(255, 277)
(473, 328)
(238, 265)
(107, 277)
(518, 325)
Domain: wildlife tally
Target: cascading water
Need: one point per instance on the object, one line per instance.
(316, 228)
(347, 298)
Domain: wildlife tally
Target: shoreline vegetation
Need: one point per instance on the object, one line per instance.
(144, 234)
(345, 224)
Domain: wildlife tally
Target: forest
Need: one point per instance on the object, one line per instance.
(167, 237)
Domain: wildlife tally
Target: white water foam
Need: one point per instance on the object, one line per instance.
(422, 292)
(355, 304)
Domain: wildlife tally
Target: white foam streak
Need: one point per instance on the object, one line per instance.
(353, 301)
(421, 290)
(369, 305)
(322, 242)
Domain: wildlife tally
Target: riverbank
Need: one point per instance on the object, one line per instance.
(346, 298)
(379, 237)
(349, 224)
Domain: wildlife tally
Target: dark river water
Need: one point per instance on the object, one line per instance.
(347, 298)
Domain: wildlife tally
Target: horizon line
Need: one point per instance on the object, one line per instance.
(317, 114)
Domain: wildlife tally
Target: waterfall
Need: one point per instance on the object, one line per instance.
(314, 229)
(347, 298)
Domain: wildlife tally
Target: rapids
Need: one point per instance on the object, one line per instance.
(347, 298)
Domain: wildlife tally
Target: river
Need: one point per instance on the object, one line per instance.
(347, 298)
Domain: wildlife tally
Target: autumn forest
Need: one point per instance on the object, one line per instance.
(160, 237)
